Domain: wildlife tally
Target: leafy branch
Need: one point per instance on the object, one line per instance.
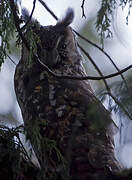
(104, 16)
(7, 29)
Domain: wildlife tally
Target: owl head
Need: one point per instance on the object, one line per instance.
(57, 45)
(58, 42)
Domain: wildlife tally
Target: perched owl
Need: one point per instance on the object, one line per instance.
(68, 127)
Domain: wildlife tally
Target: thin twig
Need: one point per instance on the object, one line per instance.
(93, 44)
(11, 59)
(4, 127)
(16, 21)
(48, 9)
(20, 127)
(30, 17)
(120, 104)
(105, 82)
(106, 54)
(95, 65)
(83, 77)
(82, 6)
(24, 150)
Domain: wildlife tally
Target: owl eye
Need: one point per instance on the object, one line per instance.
(63, 46)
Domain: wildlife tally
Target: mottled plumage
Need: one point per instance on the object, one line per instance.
(62, 115)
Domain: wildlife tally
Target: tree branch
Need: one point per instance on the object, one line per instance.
(95, 45)
(48, 9)
(82, 6)
(105, 53)
(82, 77)
(120, 104)
(30, 17)
(16, 21)
(95, 65)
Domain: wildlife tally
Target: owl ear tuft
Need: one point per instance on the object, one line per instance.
(67, 20)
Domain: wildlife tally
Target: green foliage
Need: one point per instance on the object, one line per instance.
(33, 40)
(55, 159)
(7, 29)
(14, 159)
(104, 17)
(11, 138)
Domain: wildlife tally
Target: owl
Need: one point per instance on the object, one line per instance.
(68, 127)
